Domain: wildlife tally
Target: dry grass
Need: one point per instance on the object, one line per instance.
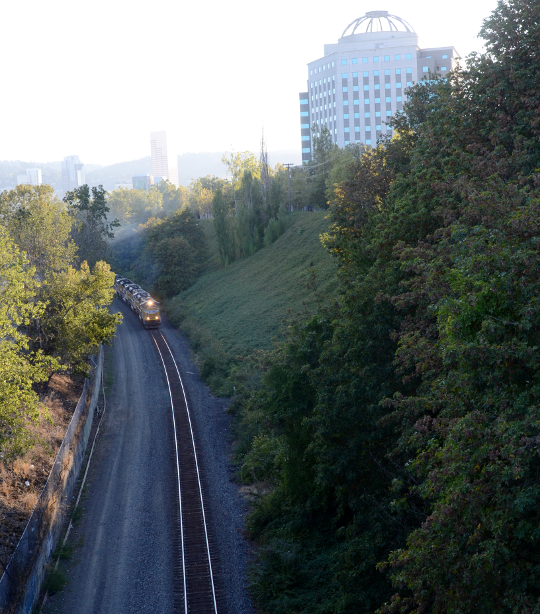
(22, 480)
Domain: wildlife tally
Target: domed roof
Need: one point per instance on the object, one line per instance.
(378, 21)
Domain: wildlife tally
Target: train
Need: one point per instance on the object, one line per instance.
(139, 300)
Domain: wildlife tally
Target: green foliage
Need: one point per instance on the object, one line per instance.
(93, 230)
(138, 206)
(77, 318)
(399, 429)
(165, 255)
(51, 314)
(19, 368)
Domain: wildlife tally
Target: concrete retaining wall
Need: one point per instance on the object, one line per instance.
(21, 581)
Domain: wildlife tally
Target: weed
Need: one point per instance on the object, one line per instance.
(55, 581)
(63, 552)
(77, 514)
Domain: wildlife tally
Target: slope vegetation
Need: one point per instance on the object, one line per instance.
(243, 304)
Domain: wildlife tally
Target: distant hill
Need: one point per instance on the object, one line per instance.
(107, 176)
(190, 166)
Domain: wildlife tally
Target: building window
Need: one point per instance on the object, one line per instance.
(376, 58)
(368, 141)
(398, 86)
(304, 101)
(366, 100)
(377, 101)
(356, 101)
(377, 86)
(347, 129)
(304, 113)
(366, 88)
(378, 127)
(397, 57)
(343, 75)
(377, 113)
(355, 61)
(366, 73)
(365, 60)
(343, 62)
(368, 128)
(305, 138)
(355, 75)
(398, 98)
(443, 67)
(304, 126)
(324, 67)
(355, 88)
(398, 71)
(409, 83)
(409, 71)
(444, 57)
(345, 88)
(387, 86)
(425, 68)
(345, 103)
(387, 58)
(387, 71)
(332, 64)
(319, 69)
(345, 116)
(357, 116)
(311, 72)
(388, 99)
(367, 114)
(347, 142)
(375, 73)
(408, 56)
(388, 113)
(306, 149)
(357, 128)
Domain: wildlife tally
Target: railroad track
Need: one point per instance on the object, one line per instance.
(195, 592)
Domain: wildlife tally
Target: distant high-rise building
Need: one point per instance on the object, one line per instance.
(360, 81)
(32, 176)
(72, 173)
(142, 182)
(161, 166)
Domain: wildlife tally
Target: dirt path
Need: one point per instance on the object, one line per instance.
(125, 563)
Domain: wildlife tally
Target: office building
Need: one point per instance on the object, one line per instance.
(142, 182)
(163, 167)
(72, 173)
(32, 176)
(360, 81)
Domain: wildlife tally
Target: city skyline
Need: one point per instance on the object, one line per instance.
(207, 99)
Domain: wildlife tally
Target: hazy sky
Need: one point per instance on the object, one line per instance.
(95, 78)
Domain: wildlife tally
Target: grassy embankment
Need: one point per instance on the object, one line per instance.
(231, 312)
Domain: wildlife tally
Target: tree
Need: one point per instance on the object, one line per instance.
(40, 225)
(93, 231)
(176, 246)
(20, 368)
(77, 318)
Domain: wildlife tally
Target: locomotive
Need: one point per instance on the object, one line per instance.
(139, 300)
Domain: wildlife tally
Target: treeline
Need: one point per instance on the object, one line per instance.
(394, 442)
(54, 301)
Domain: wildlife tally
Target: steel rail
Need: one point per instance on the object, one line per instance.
(178, 476)
(185, 563)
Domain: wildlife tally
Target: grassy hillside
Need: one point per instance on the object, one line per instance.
(243, 304)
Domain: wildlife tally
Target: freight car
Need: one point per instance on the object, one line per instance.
(139, 300)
